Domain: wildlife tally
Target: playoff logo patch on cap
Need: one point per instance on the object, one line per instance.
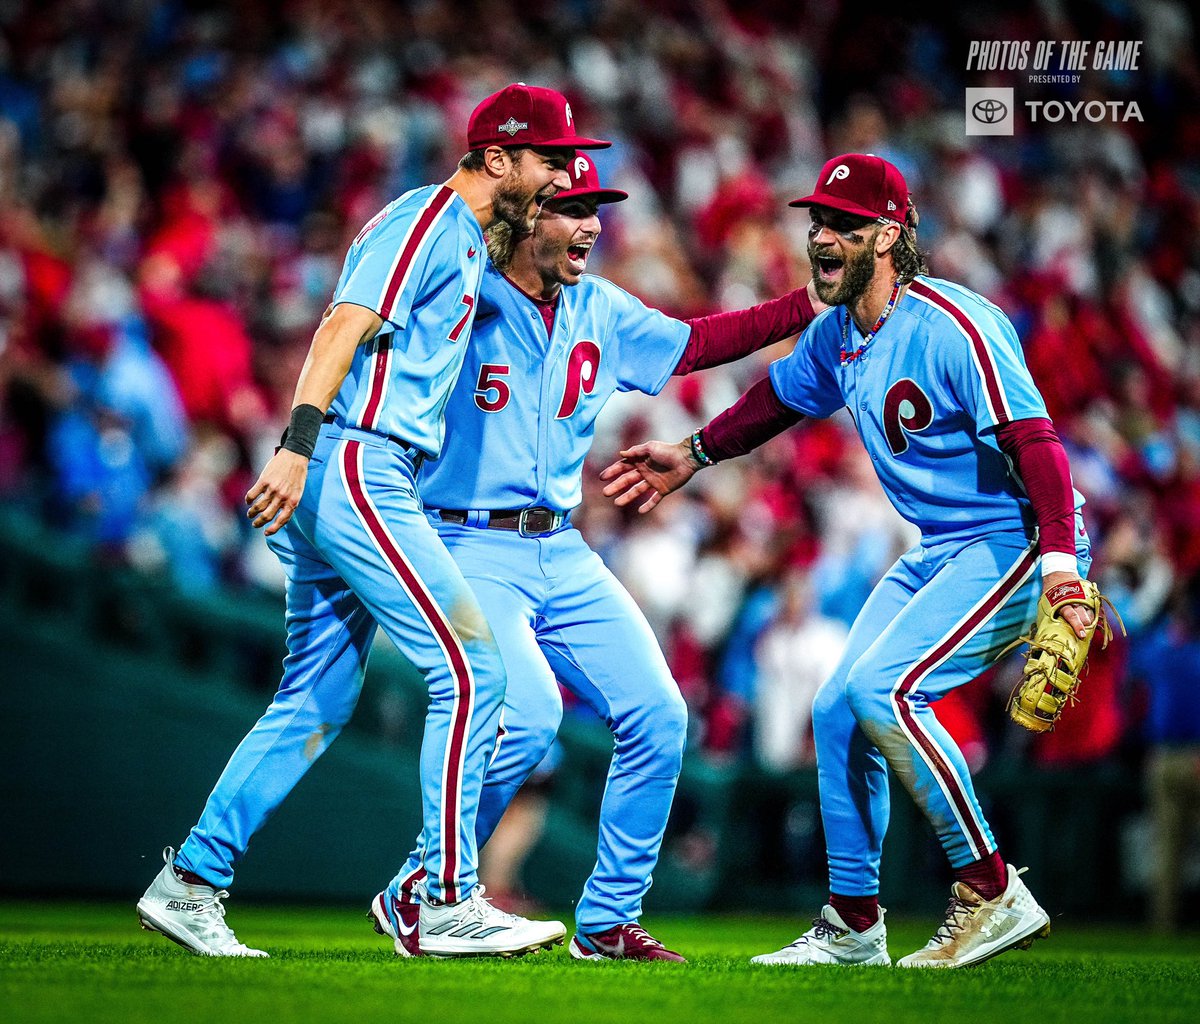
(542, 117)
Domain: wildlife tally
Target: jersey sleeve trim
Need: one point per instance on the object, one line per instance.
(419, 234)
(981, 352)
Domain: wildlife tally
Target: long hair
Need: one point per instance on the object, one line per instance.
(909, 258)
(501, 243)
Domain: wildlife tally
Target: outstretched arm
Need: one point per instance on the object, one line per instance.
(657, 468)
(725, 337)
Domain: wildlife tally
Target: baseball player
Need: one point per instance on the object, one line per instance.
(340, 507)
(544, 360)
(935, 381)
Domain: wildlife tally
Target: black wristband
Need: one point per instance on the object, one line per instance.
(301, 434)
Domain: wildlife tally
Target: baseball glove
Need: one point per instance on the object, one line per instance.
(1056, 656)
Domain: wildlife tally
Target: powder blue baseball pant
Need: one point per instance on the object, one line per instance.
(557, 611)
(939, 617)
(359, 553)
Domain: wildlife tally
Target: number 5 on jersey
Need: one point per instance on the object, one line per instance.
(583, 366)
(491, 390)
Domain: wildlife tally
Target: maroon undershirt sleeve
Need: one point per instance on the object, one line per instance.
(752, 420)
(724, 337)
(1038, 454)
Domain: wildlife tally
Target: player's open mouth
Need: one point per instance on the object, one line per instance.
(577, 255)
(828, 267)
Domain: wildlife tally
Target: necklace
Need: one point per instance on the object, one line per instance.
(849, 357)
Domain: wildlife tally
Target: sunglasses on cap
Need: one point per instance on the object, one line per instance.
(840, 223)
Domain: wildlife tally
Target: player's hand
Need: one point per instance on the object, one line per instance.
(817, 305)
(655, 468)
(1078, 617)
(275, 495)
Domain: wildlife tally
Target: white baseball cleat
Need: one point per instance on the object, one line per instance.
(473, 927)
(976, 929)
(830, 941)
(191, 915)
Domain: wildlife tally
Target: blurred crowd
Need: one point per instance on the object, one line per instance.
(179, 182)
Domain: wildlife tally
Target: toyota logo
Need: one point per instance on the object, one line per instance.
(989, 111)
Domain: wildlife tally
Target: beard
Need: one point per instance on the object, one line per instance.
(511, 203)
(857, 272)
(512, 199)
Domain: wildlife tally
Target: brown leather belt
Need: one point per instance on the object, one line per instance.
(528, 522)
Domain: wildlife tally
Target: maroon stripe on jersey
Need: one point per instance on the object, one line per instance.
(1008, 585)
(416, 236)
(991, 377)
(382, 362)
(449, 642)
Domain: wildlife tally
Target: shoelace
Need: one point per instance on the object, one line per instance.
(215, 903)
(823, 929)
(640, 935)
(956, 917)
(213, 910)
(482, 908)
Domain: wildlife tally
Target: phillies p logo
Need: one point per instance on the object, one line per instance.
(583, 367)
(906, 410)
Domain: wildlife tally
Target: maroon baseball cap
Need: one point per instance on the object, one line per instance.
(862, 184)
(585, 181)
(525, 115)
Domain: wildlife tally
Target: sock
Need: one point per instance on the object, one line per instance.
(859, 912)
(988, 876)
(191, 878)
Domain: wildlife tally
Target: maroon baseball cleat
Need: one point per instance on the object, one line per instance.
(398, 920)
(624, 942)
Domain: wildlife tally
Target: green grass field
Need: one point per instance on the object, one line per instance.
(90, 963)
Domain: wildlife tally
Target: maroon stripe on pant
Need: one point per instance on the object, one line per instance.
(455, 656)
(915, 673)
(410, 883)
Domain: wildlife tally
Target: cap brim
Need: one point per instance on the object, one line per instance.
(573, 142)
(835, 203)
(601, 195)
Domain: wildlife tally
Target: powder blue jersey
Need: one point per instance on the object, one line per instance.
(520, 421)
(418, 264)
(926, 395)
